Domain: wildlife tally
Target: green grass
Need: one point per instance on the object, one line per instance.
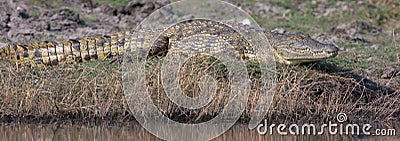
(49, 4)
(5, 40)
(115, 3)
(34, 13)
(90, 19)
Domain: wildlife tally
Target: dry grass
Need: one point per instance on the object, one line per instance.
(62, 92)
(93, 91)
(315, 92)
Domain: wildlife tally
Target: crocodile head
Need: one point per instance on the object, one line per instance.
(299, 48)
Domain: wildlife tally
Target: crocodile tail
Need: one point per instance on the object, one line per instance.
(65, 51)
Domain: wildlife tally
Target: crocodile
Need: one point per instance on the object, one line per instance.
(287, 48)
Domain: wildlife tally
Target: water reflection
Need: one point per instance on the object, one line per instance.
(133, 131)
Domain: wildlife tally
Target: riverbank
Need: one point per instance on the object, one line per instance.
(362, 81)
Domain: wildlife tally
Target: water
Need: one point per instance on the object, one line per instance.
(133, 131)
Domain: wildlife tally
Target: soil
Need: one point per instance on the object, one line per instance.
(23, 22)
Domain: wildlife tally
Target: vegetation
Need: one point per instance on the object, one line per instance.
(369, 40)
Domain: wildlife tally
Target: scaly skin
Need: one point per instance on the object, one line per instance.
(287, 48)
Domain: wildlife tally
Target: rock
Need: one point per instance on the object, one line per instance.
(22, 12)
(279, 30)
(374, 46)
(2, 45)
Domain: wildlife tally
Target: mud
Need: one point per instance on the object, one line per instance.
(20, 21)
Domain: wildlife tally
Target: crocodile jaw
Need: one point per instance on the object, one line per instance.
(299, 57)
(299, 48)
